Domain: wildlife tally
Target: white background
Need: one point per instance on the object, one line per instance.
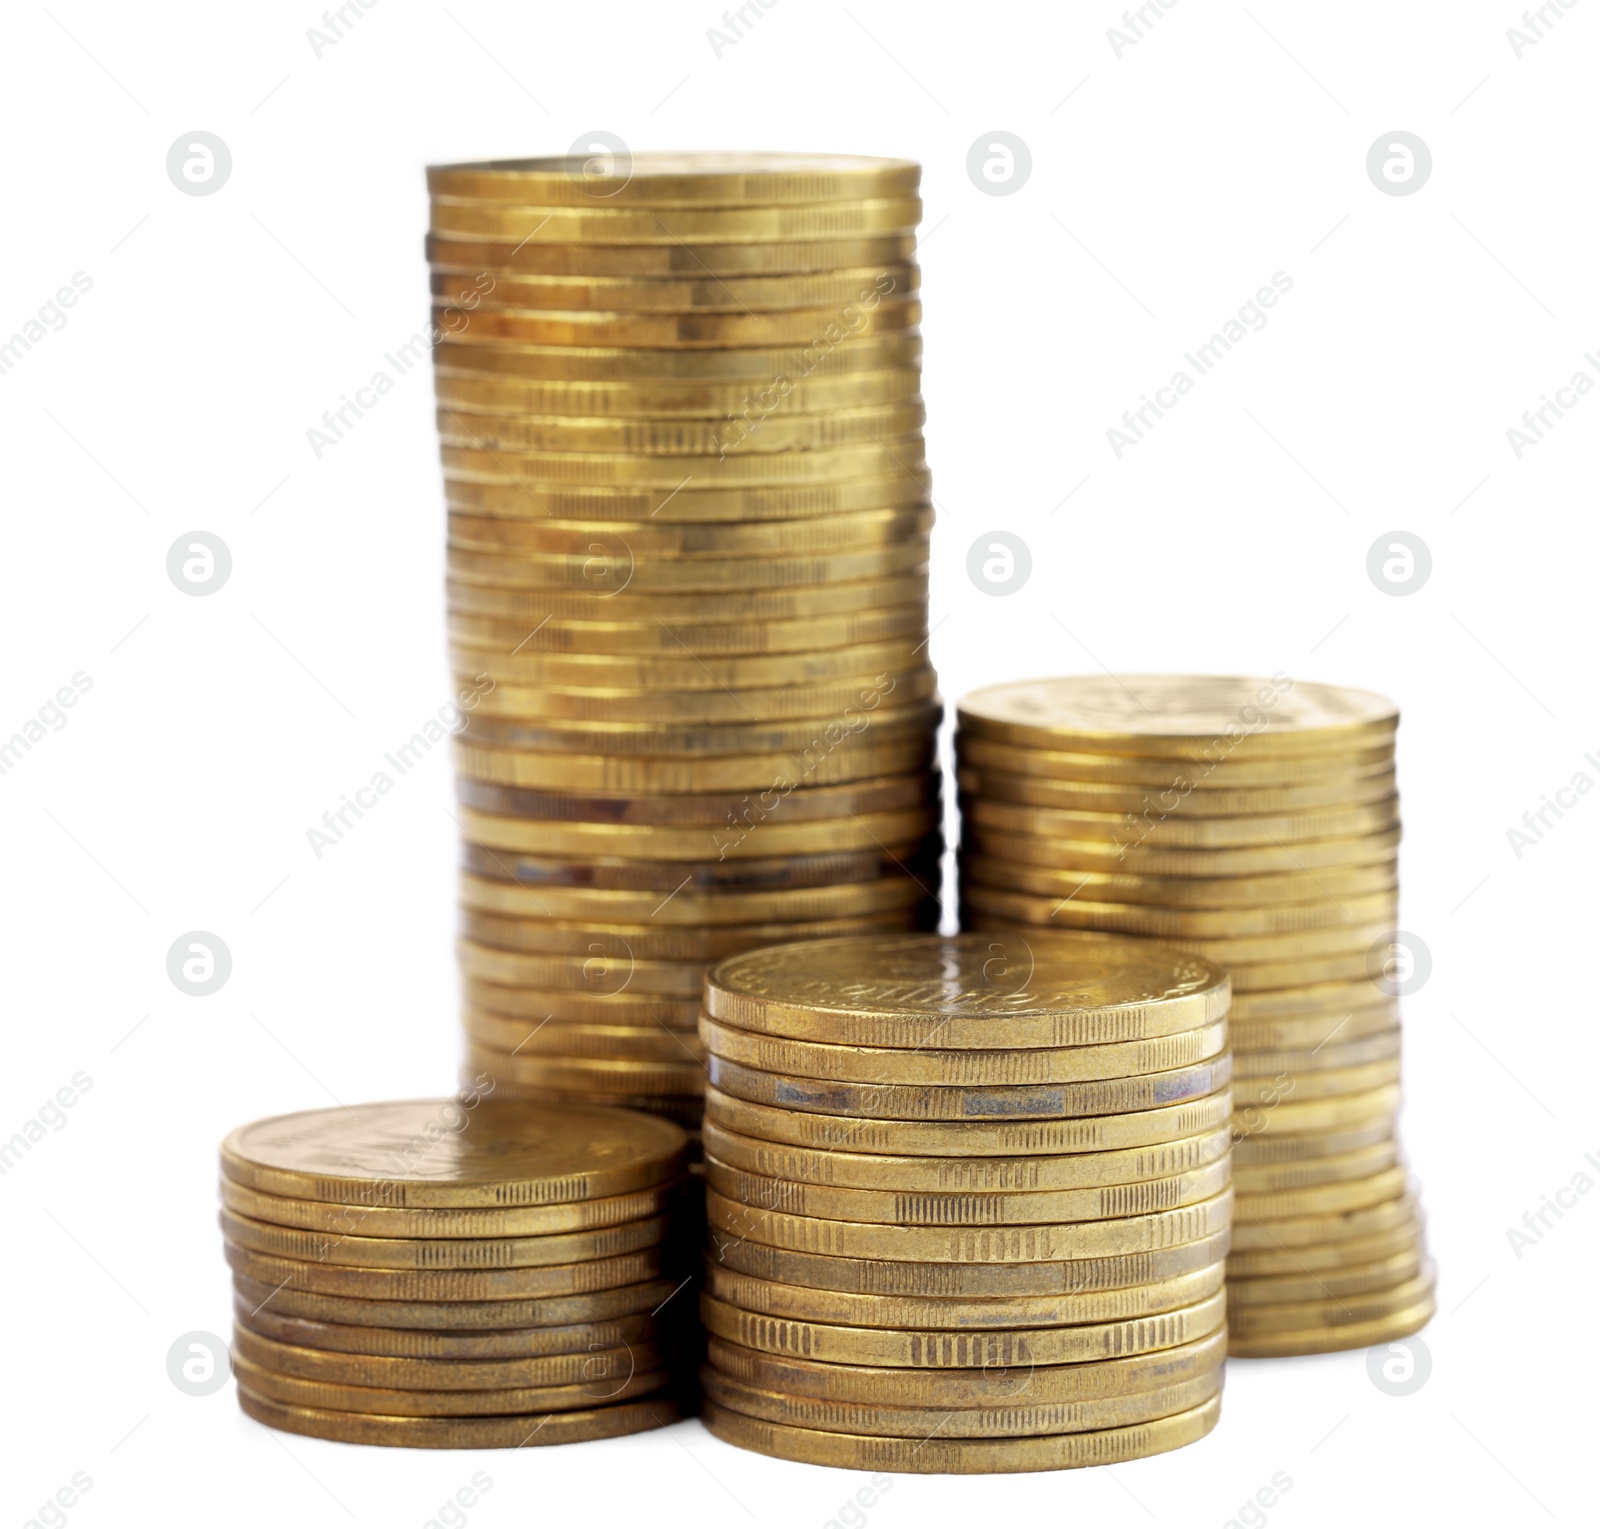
(1167, 186)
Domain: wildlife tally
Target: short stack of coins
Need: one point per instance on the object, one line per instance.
(453, 1273)
(1253, 822)
(681, 422)
(967, 1201)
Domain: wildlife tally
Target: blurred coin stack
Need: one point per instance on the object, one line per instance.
(679, 403)
(967, 1201)
(453, 1273)
(1255, 823)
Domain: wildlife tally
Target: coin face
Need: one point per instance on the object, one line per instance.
(449, 1152)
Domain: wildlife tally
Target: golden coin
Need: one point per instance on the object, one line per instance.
(1126, 770)
(614, 1004)
(687, 614)
(1253, 1150)
(1039, 1385)
(966, 991)
(1323, 1339)
(935, 1348)
(601, 1367)
(1373, 1018)
(390, 1401)
(1156, 1232)
(745, 873)
(467, 1152)
(942, 1281)
(1203, 718)
(599, 970)
(592, 1076)
(461, 1432)
(1310, 857)
(948, 1102)
(1272, 976)
(957, 1208)
(955, 1138)
(773, 837)
(519, 1285)
(868, 311)
(876, 668)
(459, 285)
(733, 811)
(1274, 1112)
(1252, 1063)
(1183, 832)
(1272, 1205)
(1051, 1452)
(1017, 1420)
(1336, 1168)
(853, 1309)
(1179, 895)
(823, 399)
(1363, 1279)
(677, 180)
(693, 740)
(1308, 1002)
(1318, 1258)
(630, 1043)
(683, 1110)
(1191, 925)
(596, 223)
(651, 943)
(681, 502)
(1151, 806)
(511, 1343)
(999, 1178)
(732, 907)
(1038, 1065)
(555, 1315)
(820, 533)
(670, 259)
(443, 1252)
(443, 1221)
(1252, 1233)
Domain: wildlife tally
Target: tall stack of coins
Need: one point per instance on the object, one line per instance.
(1253, 822)
(452, 1273)
(679, 402)
(968, 1201)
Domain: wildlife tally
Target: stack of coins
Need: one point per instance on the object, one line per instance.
(679, 402)
(967, 1201)
(1253, 822)
(452, 1273)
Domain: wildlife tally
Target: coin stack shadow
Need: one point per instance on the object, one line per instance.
(967, 1201)
(1254, 822)
(455, 1273)
(681, 422)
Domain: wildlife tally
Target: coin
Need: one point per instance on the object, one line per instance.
(684, 1110)
(1179, 895)
(1049, 1452)
(394, 1401)
(597, 1076)
(981, 1281)
(1250, 1063)
(1251, 1149)
(1361, 1279)
(1304, 1002)
(509, 1343)
(635, 1043)
(1262, 1109)
(968, 991)
(1379, 1017)
(1154, 1232)
(957, 1208)
(1334, 1168)
(890, 1101)
(452, 1153)
(1335, 1311)
(1192, 925)
(1320, 1338)
(671, 259)
(1202, 718)
(1372, 849)
(461, 1432)
(1019, 1419)
(407, 1285)
(976, 1176)
(1317, 1258)
(1230, 772)
(1038, 1385)
(970, 1137)
(507, 968)
(1151, 806)
(870, 666)
(671, 180)
(438, 1221)
(1253, 1232)
(686, 614)
(860, 1064)
(557, 1314)
(904, 1313)
(938, 1349)
(1322, 1199)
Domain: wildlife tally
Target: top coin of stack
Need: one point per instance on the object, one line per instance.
(681, 424)
(968, 1201)
(452, 1273)
(1254, 822)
